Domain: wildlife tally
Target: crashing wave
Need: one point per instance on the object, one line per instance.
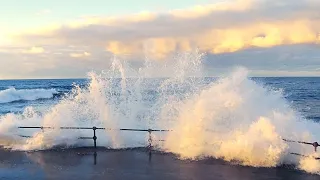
(12, 94)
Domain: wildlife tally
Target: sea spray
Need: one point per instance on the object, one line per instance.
(233, 118)
(309, 164)
(239, 120)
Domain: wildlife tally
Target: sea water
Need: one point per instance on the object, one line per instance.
(237, 118)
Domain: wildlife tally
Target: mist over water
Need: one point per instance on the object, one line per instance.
(233, 118)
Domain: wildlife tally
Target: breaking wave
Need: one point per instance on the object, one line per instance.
(232, 118)
(12, 94)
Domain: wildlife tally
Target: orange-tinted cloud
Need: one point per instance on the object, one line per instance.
(80, 55)
(216, 28)
(34, 50)
(264, 35)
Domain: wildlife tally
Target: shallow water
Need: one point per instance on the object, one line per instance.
(129, 164)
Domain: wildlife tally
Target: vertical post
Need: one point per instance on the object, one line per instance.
(150, 143)
(315, 145)
(42, 129)
(94, 137)
(150, 139)
(95, 158)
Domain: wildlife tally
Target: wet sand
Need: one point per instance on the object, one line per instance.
(129, 164)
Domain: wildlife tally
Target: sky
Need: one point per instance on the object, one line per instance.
(67, 39)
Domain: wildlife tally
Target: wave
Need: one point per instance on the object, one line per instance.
(12, 94)
(233, 118)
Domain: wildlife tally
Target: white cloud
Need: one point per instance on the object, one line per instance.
(232, 33)
(34, 50)
(80, 55)
(217, 28)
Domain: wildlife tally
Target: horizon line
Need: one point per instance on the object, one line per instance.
(84, 78)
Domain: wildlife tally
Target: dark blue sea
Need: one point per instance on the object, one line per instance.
(302, 94)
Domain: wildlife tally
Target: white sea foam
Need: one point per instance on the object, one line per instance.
(233, 118)
(12, 94)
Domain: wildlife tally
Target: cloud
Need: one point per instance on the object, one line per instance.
(217, 28)
(80, 55)
(34, 50)
(54, 63)
(263, 35)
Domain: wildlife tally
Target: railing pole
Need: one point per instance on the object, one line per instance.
(94, 137)
(315, 145)
(95, 158)
(150, 139)
(150, 143)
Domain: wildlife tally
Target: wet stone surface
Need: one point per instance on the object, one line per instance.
(129, 164)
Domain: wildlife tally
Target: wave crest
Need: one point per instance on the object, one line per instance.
(12, 94)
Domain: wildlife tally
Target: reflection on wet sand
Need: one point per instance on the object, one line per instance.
(128, 164)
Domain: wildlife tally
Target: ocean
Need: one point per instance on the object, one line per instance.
(302, 93)
(223, 128)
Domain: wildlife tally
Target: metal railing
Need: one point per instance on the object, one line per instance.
(314, 144)
(150, 141)
(94, 137)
